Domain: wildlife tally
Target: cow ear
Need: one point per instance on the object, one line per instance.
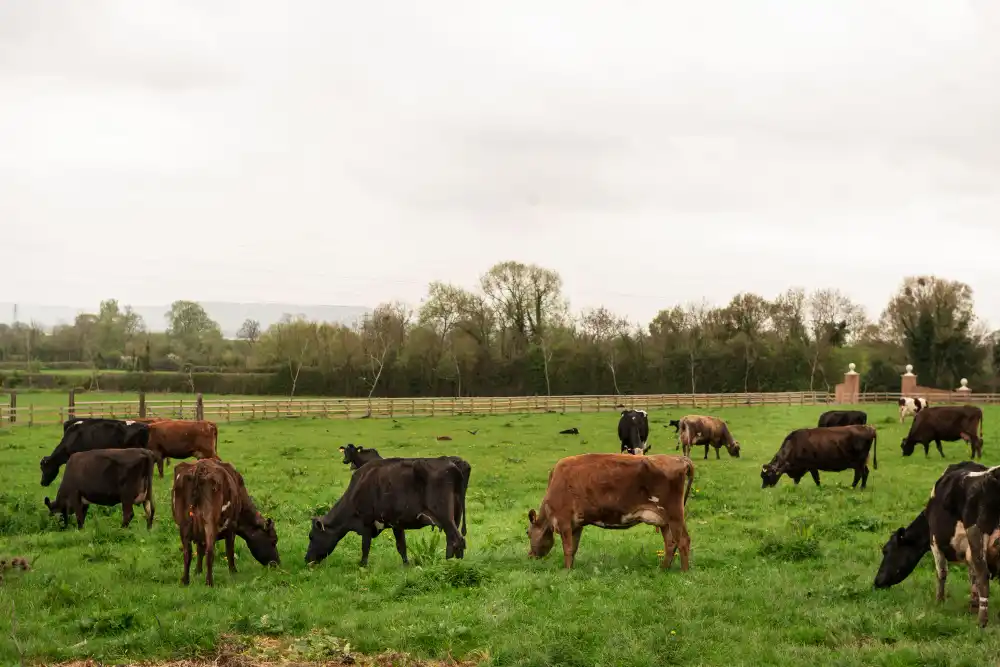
(44, 460)
(532, 516)
(341, 450)
(317, 524)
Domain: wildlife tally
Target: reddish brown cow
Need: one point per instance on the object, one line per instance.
(614, 491)
(179, 439)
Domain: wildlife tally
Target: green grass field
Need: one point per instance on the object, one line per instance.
(780, 576)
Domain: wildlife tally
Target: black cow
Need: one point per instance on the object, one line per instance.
(633, 431)
(81, 435)
(358, 456)
(843, 418)
(106, 477)
(948, 423)
(832, 449)
(397, 493)
(960, 524)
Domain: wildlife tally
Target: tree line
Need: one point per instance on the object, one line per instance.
(514, 333)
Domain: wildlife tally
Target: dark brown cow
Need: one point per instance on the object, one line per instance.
(106, 477)
(829, 448)
(179, 439)
(948, 423)
(614, 491)
(210, 503)
(709, 431)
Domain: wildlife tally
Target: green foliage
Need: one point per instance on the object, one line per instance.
(779, 576)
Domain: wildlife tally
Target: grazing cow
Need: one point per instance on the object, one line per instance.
(830, 448)
(81, 435)
(211, 503)
(106, 477)
(633, 431)
(570, 431)
(358, 456)
(911, 406)
(709, 431)
(843, 418)
(676, 423)
(397, 493)
(945, 422)
(615, 491)
(179, 439)
(960, 524)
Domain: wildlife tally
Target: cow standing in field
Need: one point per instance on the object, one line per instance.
(210, 503)
(949, 423)
(709, 431)
(633, 431)
(81, 435)
(179, 439)
(843, 418)
(106, 477)
(911, 406)
(615, 491)
(358, 456)
(397, 493)
(960, 524)
(832, 449)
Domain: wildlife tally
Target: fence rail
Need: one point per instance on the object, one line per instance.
(351, 408)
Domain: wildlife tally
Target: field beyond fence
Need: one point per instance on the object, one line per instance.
(250, 408)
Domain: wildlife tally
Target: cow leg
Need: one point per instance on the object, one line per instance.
(815, 476)
(209, 554)
(927, 449)
(201, 559)
(566, 535)
(940, 450)
(706, 452)
(366, 545)
(717, 452)
(864, 477)
(678, 530)
(577, 534)
(400, 536)
(150, 509)
(973, 590)
(186, 548)
(796, 478)
(941, 568)
(159, 466)
(977, 555)
(127, 512)
(81, 512)
(231, 550)
(669, 545)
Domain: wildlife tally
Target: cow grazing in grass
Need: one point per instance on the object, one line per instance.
(960, 524)
(81, 435)
(909, 405)
(106, 477)
(843, 418)
(210, 503)
(182, 438)
(832, 449)
(614, 491)
(633, 431)
(709, 431)
(396, 493)
(949, 423)
(358, 456)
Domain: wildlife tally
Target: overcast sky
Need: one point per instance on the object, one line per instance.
(350, 152)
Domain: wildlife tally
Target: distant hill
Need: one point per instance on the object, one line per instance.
(229, 315)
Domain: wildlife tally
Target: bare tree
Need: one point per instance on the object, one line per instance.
(834, 320)
(605, 329)
(382, 332)
(289, 341)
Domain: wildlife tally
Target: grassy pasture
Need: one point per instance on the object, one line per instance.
(779, 576)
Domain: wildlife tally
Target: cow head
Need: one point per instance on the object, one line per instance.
(349, 451)
(50, 470)
(907, 446)
(900, 556)
(769, 475)
(262, 540)
(323, 540)
(734, 450)
(540, 537)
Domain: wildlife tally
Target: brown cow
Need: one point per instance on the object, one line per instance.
(210, 503)
(709, 431)
(945, 422)
(179, 439)
(614, 491)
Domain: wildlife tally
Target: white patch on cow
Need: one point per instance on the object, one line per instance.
(654, 499)
(141, 498)
(555, 524)
(225, 524)
(600, 524)
(147, 507)
(641, 412)
(379, 525)
(129, 422)
(982, 472)
(983, 602)
(643, 515)
(77, 423)
(960, 540)
(226, 506)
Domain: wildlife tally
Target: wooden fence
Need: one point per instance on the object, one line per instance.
(353, 408)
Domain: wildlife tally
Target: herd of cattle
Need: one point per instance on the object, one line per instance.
(109, 462)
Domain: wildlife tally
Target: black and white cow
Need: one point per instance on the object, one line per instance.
(960, 524)
(81, 435)
(910, 405)
(633, 431)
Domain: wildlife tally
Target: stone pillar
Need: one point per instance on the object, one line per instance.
(852, 385)
(908, 382)
(964, 390)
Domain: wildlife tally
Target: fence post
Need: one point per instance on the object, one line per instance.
(31, 415)
(13, 407)
(199, 407)
(142, 404)
(71, 411)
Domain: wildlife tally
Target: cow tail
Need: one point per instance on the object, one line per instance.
(690, 478)
(215, 440)
(980, 428)
(875, 449)
(464, 491)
